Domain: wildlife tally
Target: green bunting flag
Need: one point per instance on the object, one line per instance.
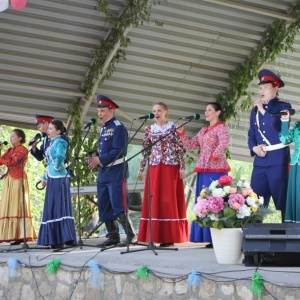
(142, 272)
(52, 266)
(257, 284)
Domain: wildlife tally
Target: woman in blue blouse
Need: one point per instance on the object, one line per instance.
(58, 225)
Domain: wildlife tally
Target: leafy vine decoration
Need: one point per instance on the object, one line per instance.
(135, 13)
(82, 174)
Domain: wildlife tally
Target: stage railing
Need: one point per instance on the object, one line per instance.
(92, 189)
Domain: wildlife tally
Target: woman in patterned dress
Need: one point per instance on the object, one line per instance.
(211, 163)
(166, 172)
(15, 183)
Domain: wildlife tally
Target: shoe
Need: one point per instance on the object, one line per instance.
(128, 241)
(166, 245)
(15, 243)
(57, 246)
(131, 240)
(210, 245)
(112, 241)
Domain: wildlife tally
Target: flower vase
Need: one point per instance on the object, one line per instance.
(227, 244)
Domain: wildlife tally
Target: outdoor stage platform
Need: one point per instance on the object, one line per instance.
(168, 274)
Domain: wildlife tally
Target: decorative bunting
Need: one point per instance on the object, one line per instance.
(52, 266)
(3, 5)
(257, 284)
(142, 272)
(18, 4)
(94, 279)
(194, 279)
(13, 265)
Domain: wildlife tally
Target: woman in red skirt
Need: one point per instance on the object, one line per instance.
(166, 172)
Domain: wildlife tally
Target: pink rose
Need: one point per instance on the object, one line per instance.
(200, 207)
(235, 201)
(215, 204)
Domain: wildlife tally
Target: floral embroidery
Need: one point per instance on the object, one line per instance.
(167, 147)
(212, 142)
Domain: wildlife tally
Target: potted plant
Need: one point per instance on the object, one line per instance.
(225, 206)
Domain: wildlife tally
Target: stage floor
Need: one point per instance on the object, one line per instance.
(189, 257)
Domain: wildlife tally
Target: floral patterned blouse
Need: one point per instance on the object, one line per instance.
(169, 150)
(212, 142)
(10, 159)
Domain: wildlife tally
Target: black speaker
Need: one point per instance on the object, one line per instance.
(271, 244)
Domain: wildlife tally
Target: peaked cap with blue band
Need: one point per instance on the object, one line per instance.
(104, 101)
(267, 76)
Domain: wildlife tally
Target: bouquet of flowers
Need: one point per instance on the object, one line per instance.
(229, 204)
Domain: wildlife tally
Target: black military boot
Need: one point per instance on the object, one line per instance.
(128, 228)
(113, 232)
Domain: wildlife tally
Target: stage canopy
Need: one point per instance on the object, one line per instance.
(47, 48)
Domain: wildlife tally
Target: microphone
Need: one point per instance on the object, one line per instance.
(149, 116)
(37, 137)
(3, 143)
(193, 117)
(283, 113)
(91, 122)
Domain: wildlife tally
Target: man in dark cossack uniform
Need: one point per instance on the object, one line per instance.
(111, 190)
(270, 167)
(42, 124)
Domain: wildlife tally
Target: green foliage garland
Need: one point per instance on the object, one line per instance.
(279, 37)
(135, 12)
(82, 174)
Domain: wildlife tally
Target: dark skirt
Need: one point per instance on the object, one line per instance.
(58, 225)
(202, 234)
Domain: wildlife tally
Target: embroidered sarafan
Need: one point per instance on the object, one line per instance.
(212, 142)
(167, 148)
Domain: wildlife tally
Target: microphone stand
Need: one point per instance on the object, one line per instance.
(75, 159)
(151, 245)
(25, 246)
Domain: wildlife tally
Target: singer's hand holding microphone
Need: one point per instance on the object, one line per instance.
(258, 106)
(3, 143)
(285, 114)
(37, 138)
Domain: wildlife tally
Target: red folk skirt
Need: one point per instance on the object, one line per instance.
(168, 209)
